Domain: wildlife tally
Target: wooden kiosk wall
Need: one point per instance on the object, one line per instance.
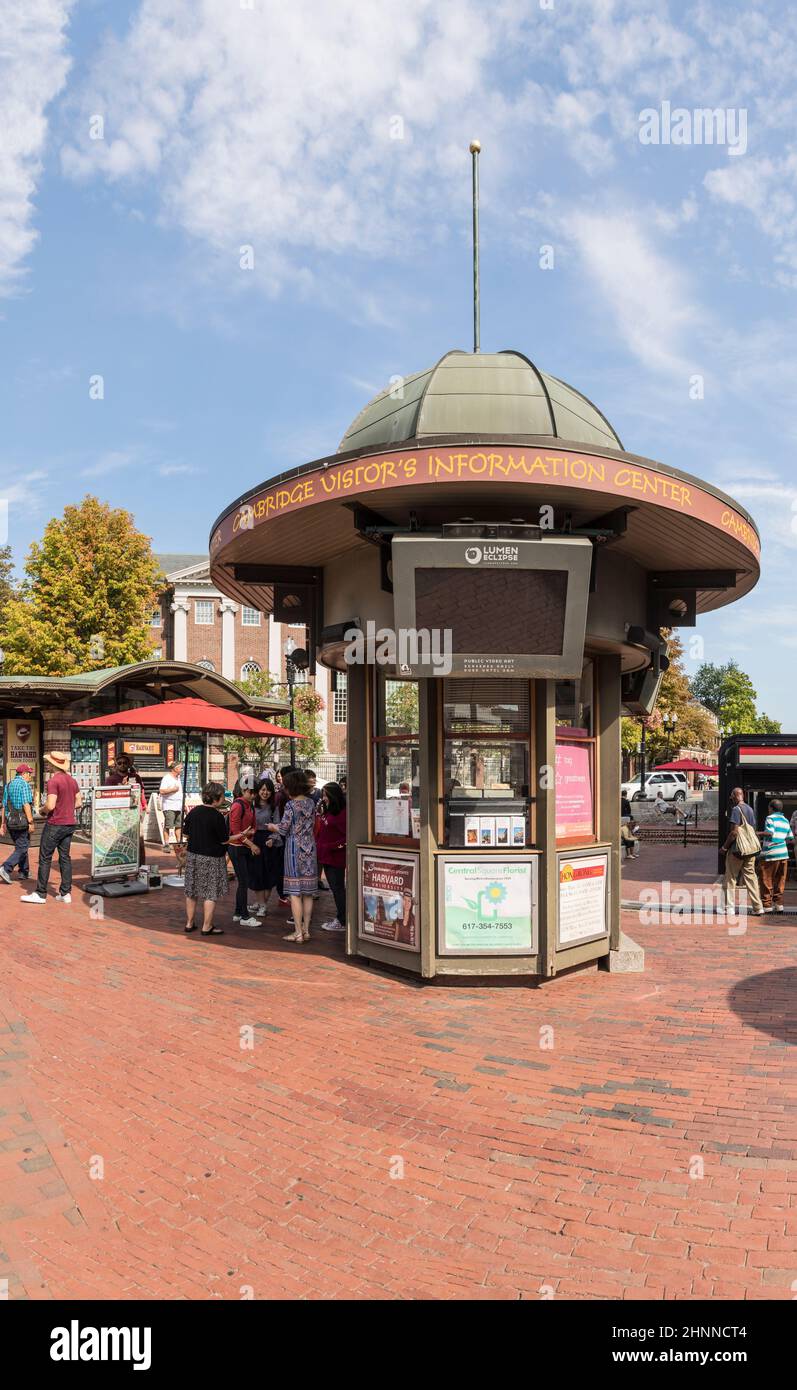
(428, 962)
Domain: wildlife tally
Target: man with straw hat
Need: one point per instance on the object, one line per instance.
(63, 800)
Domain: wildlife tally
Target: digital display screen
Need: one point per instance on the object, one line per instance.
(495, 610)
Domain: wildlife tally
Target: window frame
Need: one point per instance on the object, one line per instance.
(204, 603)
(376, 742)
(526, 737)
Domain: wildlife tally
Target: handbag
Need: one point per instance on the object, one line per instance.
(15, 817)
(747, 844)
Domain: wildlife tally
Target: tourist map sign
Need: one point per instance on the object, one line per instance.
(114, 831)
(487, 905)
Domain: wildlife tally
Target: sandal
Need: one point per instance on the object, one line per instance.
(191, 928)
(213, 931)
(293, 937)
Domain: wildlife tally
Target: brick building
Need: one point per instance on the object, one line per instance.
(195, 622)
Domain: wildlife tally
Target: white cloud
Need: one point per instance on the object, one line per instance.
(112, 461)
(649, 296)
(33, 69)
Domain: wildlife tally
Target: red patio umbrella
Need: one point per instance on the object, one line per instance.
(191, 716)
(687, 765)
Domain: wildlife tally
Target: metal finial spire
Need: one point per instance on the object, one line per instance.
(475, 148)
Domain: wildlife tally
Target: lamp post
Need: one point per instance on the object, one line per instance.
(669, 721)
(289, 648)
(642, 753)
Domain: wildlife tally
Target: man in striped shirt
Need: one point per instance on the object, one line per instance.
(773, 864)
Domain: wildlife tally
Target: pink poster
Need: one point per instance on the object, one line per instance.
(574, 791)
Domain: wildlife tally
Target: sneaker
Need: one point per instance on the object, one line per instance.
(252, 909)
(63, 897)
(247, 921)
(778, 907)
(260, 910)
(334, 925)
(32, 898)
(285, 902)
(5, 875)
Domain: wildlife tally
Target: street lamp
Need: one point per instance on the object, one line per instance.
(296, 659)
(669, 721)
(642, 752)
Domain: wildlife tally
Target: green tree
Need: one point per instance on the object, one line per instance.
(765, 725)
(307, 705)
(401, 707)
(7, 587)
(85, 602)
(729, 693)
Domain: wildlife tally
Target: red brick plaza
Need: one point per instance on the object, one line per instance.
(600, 1137)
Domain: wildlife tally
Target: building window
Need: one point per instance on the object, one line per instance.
(157, 619)
(206, 665)
(250, 617)
(203, 612)
(340, 699)
(157, 653)
(249, 669)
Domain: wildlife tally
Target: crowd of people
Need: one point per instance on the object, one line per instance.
(281, 832)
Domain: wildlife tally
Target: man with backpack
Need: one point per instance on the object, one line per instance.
(741, 848)
(17, 819)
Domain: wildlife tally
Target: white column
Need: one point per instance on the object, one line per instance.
(323, 685)
(228, 612)
(180, 611)
(275, 648)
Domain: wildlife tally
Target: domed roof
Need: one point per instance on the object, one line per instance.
(489, 394)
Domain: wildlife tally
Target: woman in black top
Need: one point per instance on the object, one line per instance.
(206, 836)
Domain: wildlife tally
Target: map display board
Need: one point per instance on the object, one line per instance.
(114, 831)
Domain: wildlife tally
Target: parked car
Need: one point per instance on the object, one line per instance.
(672, 785)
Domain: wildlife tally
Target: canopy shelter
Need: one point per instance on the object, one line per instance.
(157, 679)
(688, 765)
(191, 717)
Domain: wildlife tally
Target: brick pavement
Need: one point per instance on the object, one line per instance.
(384, 1139)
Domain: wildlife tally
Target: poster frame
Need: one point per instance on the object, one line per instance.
(500, 857)
(587, 852)
(114, 870)
(400, 856)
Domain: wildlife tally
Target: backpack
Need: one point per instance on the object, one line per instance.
(747, 843)
(15, 817)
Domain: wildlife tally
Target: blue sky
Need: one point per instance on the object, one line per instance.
(230, 123)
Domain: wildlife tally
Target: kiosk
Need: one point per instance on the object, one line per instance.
(490, 572)
(764, 766)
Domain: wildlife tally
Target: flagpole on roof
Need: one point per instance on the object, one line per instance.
(475, 148)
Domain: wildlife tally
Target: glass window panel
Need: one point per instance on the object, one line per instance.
(475, 770)
(397, 707)
(397, 770)
(488, 706)
(575, 702)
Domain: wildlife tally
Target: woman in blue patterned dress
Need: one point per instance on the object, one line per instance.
(297, 829)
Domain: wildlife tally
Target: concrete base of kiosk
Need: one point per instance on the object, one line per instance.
(628, 959)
